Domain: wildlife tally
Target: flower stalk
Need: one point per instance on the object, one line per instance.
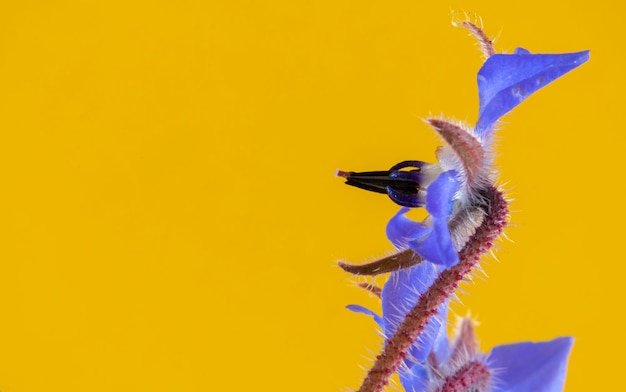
(396, 346)
(467, 213)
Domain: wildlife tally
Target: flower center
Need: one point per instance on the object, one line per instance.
(405, 183)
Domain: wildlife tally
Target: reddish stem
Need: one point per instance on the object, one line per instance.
(396, 347)
(466, 147)
(486, 44)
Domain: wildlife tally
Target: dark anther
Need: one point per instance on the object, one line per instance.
(416, 165)
(402, 186)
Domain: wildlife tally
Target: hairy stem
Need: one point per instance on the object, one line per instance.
(486, 44)
(396, 347)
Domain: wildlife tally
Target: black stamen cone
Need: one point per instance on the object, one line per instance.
(379, 181)
(402, 186)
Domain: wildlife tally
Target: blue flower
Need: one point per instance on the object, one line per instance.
(465, 165)
(432, 362)
(466, 213)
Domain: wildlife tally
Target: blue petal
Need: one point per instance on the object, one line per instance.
(416, 379)
(432, 243)
(399, 296)
(441, 346)
(505, 80)
(364, 310)
(401, 230)
(527, 366)
(439, 194)
(521, 51)
(437, 247)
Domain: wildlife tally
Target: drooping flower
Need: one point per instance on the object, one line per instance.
(504, 81)
(466, 214)
(432, 364)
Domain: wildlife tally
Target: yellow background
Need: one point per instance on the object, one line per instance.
(169, 217)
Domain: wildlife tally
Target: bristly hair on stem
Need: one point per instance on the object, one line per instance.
(486, 43)
(372, 288)
(466, 213)
(397, 346)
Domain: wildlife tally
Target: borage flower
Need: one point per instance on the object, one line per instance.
(432, 364)
(467, 212)
(465, 163)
